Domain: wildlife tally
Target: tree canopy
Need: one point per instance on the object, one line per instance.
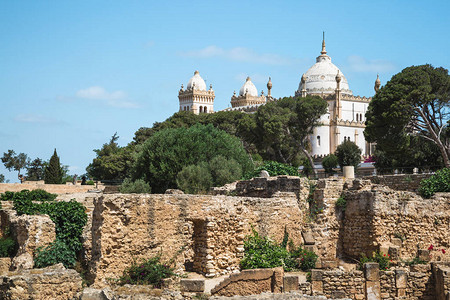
(112, 161)
(53, 172)
(415, 102)
(167, 151)
(35, 170)
(13, 161)
(348, 154)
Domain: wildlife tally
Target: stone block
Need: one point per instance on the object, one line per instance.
(394, 252)
(317, 287)
(372, 290)
(93, 294)
(423, 254)
(396, 242)
(5, 264)
(372, 271)
(192, 285)
(316, 275)
(311, 248)
(290, 283)
(401, 279)
(401, 292)
(338, 295)
(308, 238)
(384, 249)
(329, 264)
(277, 280)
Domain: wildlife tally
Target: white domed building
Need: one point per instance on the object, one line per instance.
(248, 96)
(196, 98)
(345, 118)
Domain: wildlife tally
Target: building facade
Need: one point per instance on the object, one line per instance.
(343, 121)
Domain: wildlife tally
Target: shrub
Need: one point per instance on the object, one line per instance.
(224, 170)
(135, 187)
(262, 252)
(383, 260)
(341, 203)
(90, 182)
(168, 151)
(56, 252)
(194, 179)
(273, 168)
(23, 200)
(348, 154)
(7, 246)
(150, 271)
(330, 162)
(439, 182)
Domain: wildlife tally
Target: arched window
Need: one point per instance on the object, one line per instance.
(318, 140)
(205, 109)
(201, 109)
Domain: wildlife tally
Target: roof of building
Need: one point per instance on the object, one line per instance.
(196, 82)
(321, 77)
(248, 88)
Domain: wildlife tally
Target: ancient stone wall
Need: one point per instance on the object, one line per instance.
(402, 182)
(203, 233)
(377, 217)
(338, 284)
(51, 188)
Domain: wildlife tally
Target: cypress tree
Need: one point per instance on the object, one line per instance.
(53, 170)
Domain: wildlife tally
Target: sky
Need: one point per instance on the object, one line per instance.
(73, 73)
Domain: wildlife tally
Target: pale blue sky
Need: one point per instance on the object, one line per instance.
(72, 73)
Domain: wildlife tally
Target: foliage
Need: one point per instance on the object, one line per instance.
(273, 168)
(90, 182)
(383, 260)
(341, 203)
(35, 170)
(330, 162)
(415, 102)
(53, 174)
(348, 154)
(195, 179)
(262, 252)
(415, 261)
(112, 161)
(150, 271)
(224, 170)
(280, 129)
(168, 151)
(7, 246)
(56, 252)
(135, 187)
(69, 218)
(439, 182)
(2, 178)
(13, 161)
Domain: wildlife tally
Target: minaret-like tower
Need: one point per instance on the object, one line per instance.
(196, 98)
(269, 89)
(377, 84)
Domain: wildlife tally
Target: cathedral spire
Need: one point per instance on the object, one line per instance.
(323, 45)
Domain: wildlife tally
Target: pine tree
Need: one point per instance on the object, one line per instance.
(53, 170)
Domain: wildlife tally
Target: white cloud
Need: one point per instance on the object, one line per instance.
(116, 98)
(360, 64)
(36, 118)
(239, 54)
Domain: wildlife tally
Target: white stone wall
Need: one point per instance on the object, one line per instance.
(350, 109)
(322, 147)
(349, 132)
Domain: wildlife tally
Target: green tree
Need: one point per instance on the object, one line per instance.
(330, 162)
(35, 170)
(194, 179)
(414, 102)
(348, 154)
(168, 151)
(112, 161)
(13, 161)
(281, 129)
(224, 170)
(53, 174)
(2, 178)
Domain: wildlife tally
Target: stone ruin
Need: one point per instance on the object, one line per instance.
(204, 234)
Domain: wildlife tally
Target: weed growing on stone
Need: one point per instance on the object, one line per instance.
(383, 260)
(151, 271)
(341, 203)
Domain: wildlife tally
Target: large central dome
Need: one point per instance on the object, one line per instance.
(321, 77)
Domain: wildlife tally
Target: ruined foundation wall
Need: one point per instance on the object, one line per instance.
(127, 227)
(51, 188)
(403, 182)
(377, 216)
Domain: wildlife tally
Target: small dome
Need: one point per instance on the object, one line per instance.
(248, 88)
(196, 82)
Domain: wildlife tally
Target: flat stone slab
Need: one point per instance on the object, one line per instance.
(192, 285)
(308, 238)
